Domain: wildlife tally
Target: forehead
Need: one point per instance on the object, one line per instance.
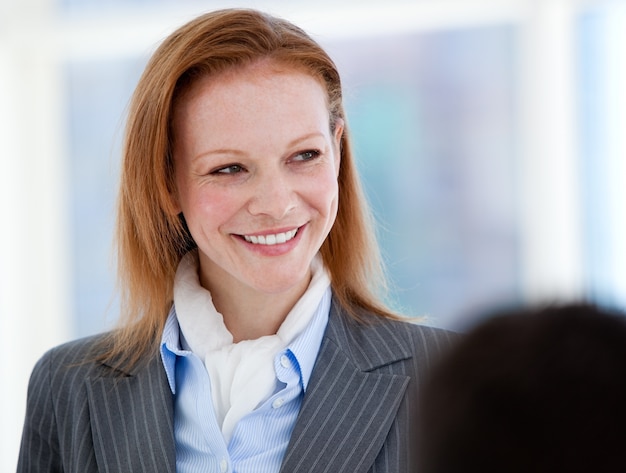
(245, 108)
(266, 68)
(262, 87)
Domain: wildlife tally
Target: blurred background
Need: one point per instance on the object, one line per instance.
(490, 135)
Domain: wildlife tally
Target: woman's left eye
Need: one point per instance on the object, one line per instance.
(307, 155)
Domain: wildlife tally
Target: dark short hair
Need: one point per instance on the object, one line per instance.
(531, 390)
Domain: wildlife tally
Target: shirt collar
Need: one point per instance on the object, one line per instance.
(171, 347)
(304, 347)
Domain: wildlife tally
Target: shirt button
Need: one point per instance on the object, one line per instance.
(278, 403)
(224, 465)
(284, 360)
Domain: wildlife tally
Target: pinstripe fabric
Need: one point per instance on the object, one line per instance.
(86, 417)
(357, 413)
(355, 416)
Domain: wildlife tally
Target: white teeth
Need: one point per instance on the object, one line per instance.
(271, 239)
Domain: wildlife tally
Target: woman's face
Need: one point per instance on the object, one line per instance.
(256, 177)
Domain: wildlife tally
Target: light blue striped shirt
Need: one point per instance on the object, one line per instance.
(260, 439)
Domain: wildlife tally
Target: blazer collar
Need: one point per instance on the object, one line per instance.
(351, 404)
(132, 420)
(370, 343)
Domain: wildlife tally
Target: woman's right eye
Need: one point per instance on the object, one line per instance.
(230, 169)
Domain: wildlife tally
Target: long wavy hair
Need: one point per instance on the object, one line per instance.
(151, 238)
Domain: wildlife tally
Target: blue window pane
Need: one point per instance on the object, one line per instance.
(601, 46)
(97, 93)
(433, 118)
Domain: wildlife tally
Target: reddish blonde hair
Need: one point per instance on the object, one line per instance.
(151, 238)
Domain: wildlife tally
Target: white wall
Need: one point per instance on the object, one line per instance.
(34, 309)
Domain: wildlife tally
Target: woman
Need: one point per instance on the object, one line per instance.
(252, 337)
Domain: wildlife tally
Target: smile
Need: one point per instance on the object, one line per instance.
(275, 239)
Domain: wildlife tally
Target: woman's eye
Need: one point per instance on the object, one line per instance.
(232, 169)
(307, 155)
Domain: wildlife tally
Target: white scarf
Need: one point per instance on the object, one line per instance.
(242, 374)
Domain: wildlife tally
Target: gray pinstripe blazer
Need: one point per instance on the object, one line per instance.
(355, 417)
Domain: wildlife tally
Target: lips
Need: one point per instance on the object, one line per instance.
(271, 239)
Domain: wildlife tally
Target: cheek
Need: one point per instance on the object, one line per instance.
(323, 194)
(209, 208)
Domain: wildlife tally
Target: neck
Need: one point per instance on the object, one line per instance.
(250, 314)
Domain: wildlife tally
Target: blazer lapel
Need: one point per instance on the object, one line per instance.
(349, 406)
(132, 420)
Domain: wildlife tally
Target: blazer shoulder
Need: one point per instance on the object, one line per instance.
(427, 334)
(77, 411)
(375, 341)
(78, 358)
(429, 343)
(77, 350)
(78, 347)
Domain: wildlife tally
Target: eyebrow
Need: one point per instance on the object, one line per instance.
(308, 136)
(236, 152)
(220, 151)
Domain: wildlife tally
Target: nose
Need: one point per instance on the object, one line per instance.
(273, 195)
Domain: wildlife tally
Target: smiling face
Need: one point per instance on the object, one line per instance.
(256, 166)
